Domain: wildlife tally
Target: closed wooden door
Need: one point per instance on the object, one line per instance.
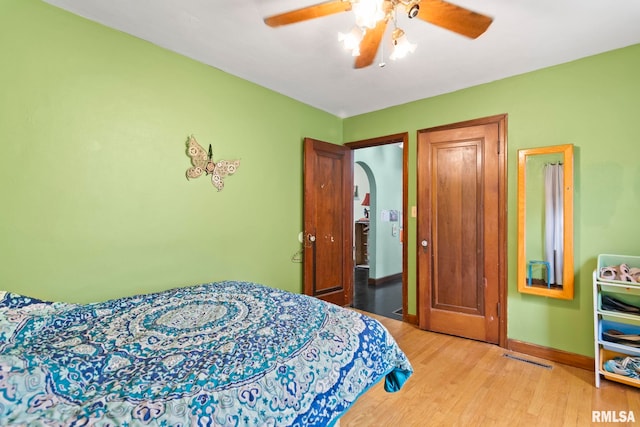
(328, 219)
(461, 242)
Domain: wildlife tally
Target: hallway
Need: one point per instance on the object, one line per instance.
(384, 300)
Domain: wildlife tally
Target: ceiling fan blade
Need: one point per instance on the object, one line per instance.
(310, 12)
(370, 44)
(454, 18)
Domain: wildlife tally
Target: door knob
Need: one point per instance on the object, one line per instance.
(424, 243)
(312, 238)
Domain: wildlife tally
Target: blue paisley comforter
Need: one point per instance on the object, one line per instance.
(218, 354)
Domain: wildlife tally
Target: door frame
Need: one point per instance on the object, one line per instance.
(398, 138)
(501, 121)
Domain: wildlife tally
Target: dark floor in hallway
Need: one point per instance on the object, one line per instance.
(384, 299)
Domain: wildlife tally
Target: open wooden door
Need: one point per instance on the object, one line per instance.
(328, 215)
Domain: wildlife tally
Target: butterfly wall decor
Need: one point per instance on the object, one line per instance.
(203, 163)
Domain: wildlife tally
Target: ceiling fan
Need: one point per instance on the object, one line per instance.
(372, 17)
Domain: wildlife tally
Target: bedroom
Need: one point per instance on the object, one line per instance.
(96, 206)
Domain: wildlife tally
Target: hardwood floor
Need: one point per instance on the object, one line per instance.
(460, 382)
(385, 299)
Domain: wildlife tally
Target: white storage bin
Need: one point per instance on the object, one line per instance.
(608, 260)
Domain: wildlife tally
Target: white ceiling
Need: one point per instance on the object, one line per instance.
(306, 62)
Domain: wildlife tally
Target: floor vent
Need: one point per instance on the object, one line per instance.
(542, 365)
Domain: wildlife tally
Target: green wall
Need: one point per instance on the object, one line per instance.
(95, 202)
(593, 103)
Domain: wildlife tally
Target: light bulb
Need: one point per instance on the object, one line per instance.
(351, 40)
(368, 12)
(401, 45)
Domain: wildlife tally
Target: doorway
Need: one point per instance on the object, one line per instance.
(379, 203)
(462, 229)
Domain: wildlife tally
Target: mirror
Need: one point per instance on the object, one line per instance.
(545, 221)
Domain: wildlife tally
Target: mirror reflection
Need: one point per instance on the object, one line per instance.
(545, 226)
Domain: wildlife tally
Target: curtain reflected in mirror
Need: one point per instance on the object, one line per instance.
(554, 221)
(545, 221)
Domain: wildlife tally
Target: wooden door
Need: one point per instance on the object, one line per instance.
(461, 229)
(328, 218)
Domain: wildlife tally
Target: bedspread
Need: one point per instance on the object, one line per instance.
(217, 354)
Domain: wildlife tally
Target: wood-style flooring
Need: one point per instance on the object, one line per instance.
(384, 299)
(460, 382)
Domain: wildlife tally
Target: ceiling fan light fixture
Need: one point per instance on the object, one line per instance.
(373, 16)
(351, 40)
(401, 45)
(368, 12)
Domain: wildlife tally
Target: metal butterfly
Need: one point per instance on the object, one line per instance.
(203, 163)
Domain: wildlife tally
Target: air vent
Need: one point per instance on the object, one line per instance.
(521, 359)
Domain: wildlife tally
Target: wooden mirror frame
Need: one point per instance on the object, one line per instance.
(568, 273)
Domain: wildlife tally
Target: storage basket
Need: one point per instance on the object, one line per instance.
(608, 355)
(608, 260)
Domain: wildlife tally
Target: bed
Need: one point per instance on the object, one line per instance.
(218, 354)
